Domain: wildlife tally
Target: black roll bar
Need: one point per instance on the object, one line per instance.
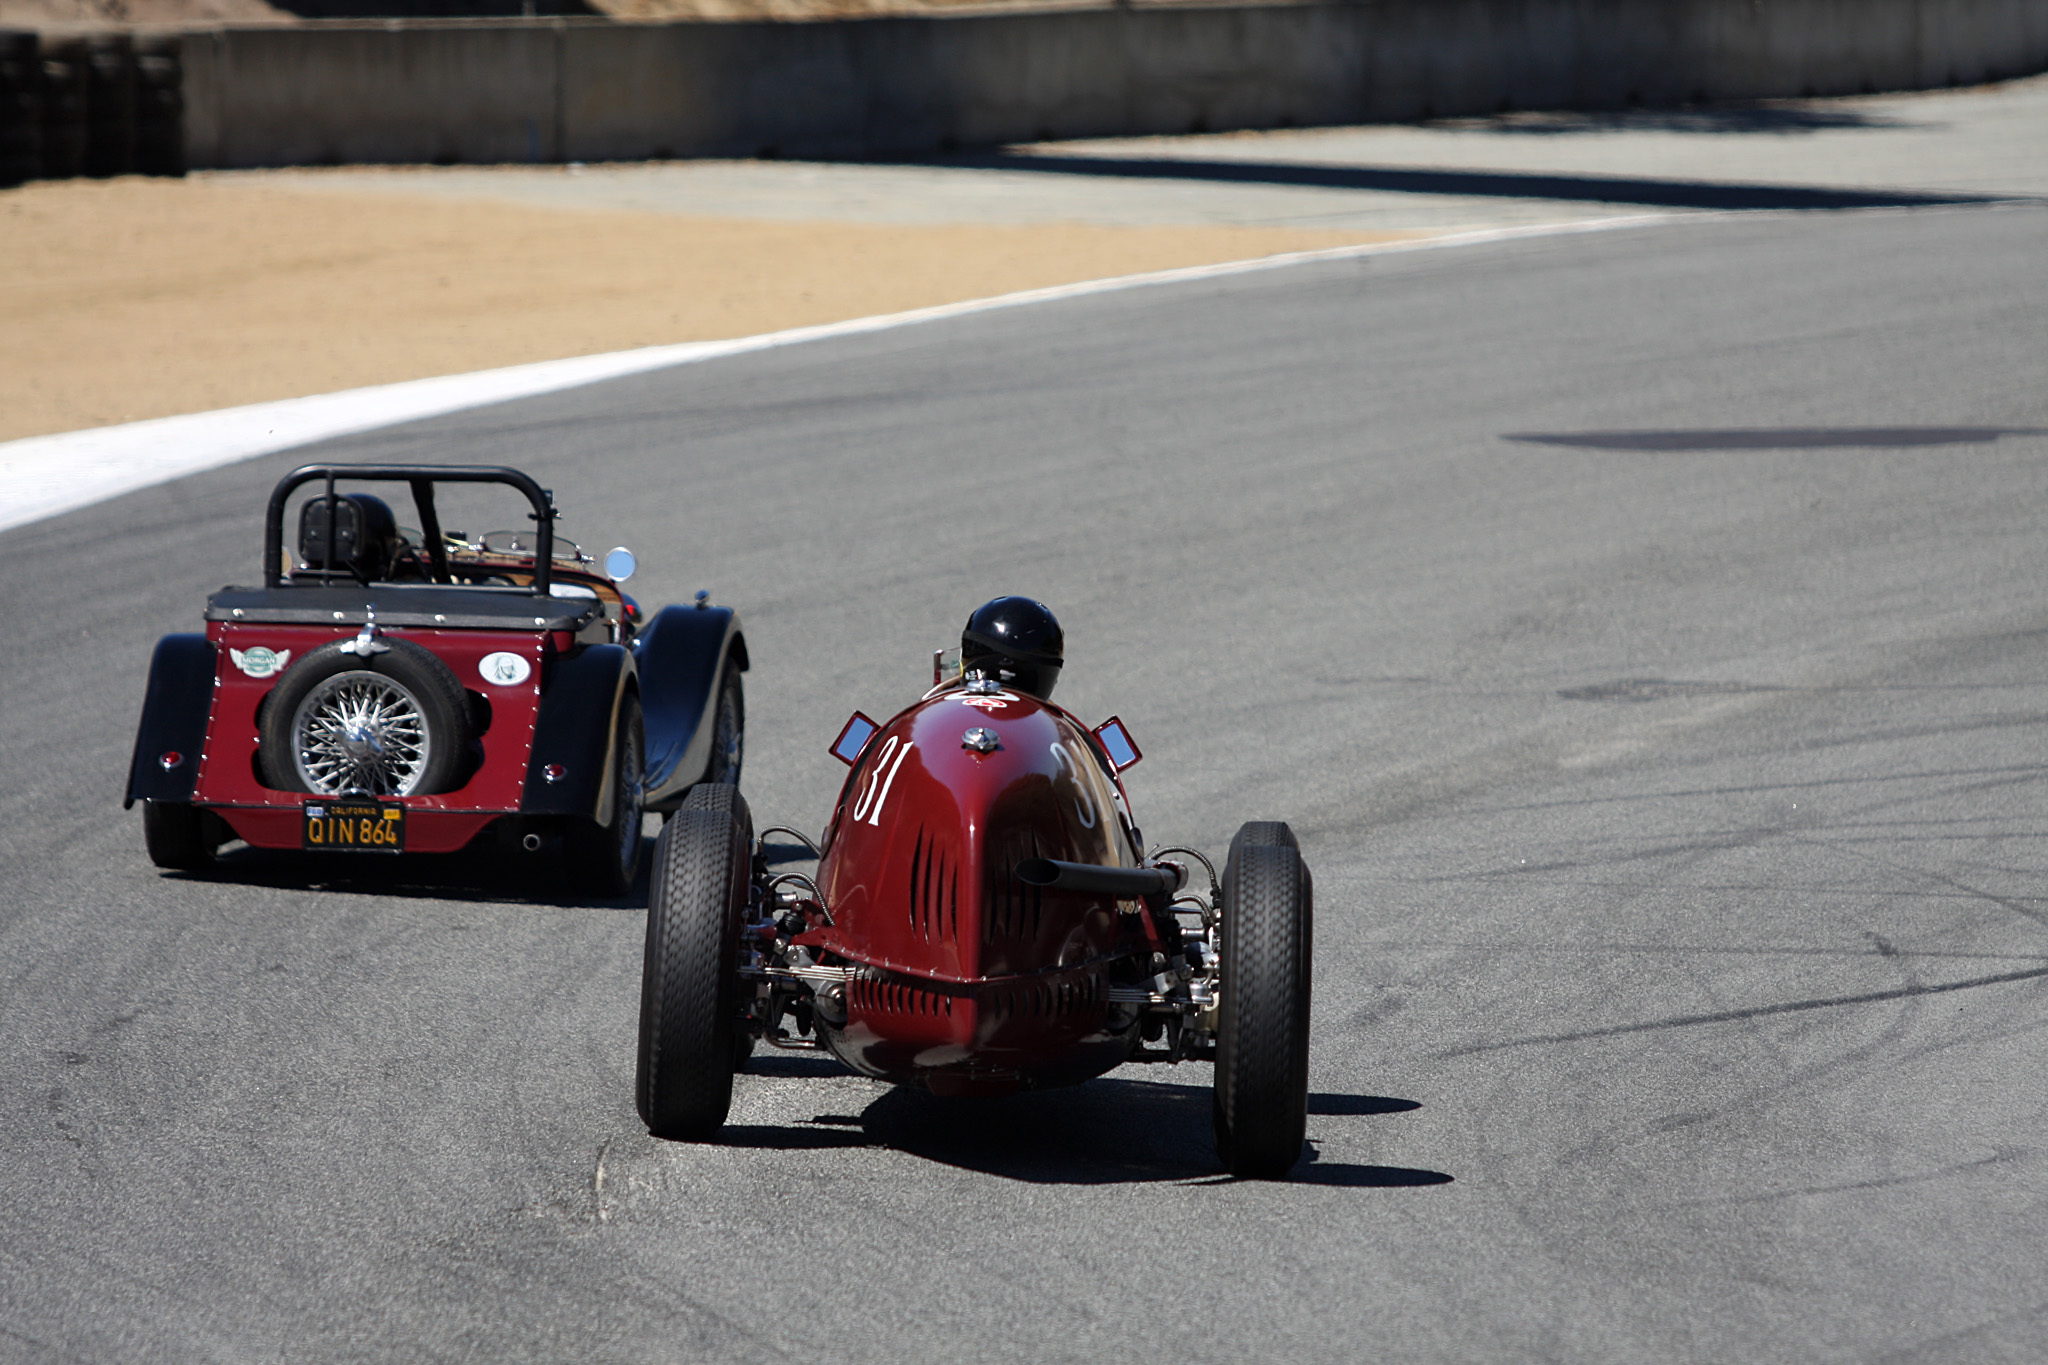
(422, 478)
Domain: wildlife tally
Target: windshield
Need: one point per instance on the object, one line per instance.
(516, 543)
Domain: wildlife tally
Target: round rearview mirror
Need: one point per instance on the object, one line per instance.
(619, 564)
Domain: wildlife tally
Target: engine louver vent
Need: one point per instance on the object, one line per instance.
(934, 892)
(871, 996)
(1048, 999)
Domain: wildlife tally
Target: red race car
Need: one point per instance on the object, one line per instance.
(393, 689)
(984, 919)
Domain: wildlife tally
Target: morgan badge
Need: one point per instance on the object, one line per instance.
(259, 662)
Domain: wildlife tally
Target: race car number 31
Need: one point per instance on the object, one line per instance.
(353, 827)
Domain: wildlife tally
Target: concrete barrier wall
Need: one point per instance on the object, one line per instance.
(592, 90)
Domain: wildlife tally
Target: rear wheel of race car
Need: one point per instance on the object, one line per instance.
(605, 858)
(724, 799)
(1261, 1097)
(177, 836)
(689, 986)
(727, 801)
(394, 723)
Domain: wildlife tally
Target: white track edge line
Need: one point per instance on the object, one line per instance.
(46, 476)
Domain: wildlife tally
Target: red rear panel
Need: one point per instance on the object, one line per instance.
(229, 778)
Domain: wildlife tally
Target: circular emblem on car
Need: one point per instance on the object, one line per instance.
(504, 670)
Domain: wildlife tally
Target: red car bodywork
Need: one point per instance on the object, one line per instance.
(443, 822)
(966, 979)
(542, 738)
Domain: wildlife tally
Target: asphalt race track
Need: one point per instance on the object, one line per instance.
(1646, 632)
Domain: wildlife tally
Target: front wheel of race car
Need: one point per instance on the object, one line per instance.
(1261, 1096)
(605, 857)
(727, 801)
(689, 986)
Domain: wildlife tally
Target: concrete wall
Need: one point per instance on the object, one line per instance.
(561, 90)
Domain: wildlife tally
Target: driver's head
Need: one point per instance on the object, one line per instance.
(1016, 642)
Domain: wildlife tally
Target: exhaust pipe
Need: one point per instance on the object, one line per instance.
(1125, 883)
(531, 843)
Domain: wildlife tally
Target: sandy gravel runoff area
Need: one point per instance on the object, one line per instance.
(135, 298)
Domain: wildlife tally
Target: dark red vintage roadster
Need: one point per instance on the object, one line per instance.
(984, 919)
(393, 689)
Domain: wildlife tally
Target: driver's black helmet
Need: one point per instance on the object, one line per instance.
(1015, 641)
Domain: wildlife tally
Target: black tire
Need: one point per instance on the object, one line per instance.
(177, 836)
(443, 708)
(720, 799)
(729, 731)
(1275, 834)
(604, 857)
(1261, 1095)
(689, 985)
(1263, 834)
(723, 799)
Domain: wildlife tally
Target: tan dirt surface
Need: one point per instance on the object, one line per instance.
(134, 298)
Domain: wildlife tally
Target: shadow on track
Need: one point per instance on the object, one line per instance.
(1589, 189)
(1764, 117)
(1102, 1133)
(483, 872)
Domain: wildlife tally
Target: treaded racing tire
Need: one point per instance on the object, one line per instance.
(1261, 1088)
(444, 708)
(604, 858)
(176, 836)
(722, 799)
(1263, 834)
(689, 985)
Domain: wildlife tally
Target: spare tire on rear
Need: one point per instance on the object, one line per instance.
(394, 723)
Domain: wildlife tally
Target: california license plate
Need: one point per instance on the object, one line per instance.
(353, 826)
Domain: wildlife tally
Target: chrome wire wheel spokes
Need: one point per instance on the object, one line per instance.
(361, 732)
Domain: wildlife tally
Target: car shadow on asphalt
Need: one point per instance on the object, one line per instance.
(481, 873)
(1108, 1131)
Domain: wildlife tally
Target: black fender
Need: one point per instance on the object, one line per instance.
(175, 710)
(682, 654)
(579, 702)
